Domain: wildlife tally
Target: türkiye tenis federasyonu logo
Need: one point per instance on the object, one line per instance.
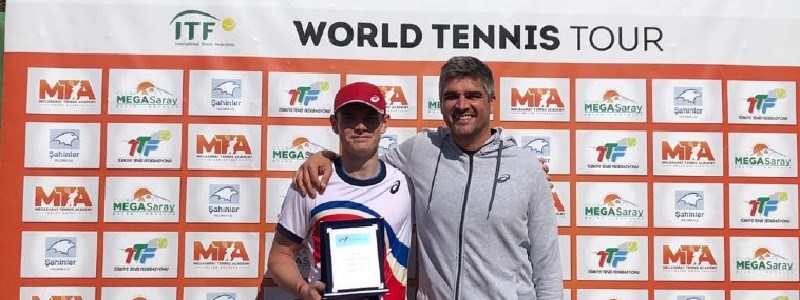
(763, 106)
(302, 99)
(612, 155)
(140, 253)
(765, 208)
(143, 146)
(201, 29)
(609, 260)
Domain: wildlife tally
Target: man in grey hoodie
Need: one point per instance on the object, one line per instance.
(483, 207)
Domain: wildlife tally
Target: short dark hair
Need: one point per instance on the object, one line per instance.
(470, 67)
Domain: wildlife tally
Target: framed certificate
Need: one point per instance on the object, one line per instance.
(353, 254)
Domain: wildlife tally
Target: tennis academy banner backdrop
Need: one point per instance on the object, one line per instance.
(147, 145)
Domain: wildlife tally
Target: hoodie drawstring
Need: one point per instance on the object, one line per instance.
(496, 172)
(435, 171)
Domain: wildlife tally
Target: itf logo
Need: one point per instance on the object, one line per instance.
(194, 28)
(143, 145)
(220, 296)
(610, 152)
(65, 145)
(142, 252)
(304, 95)
(759, 104)
(226, 94)
(223, 199)
(613, 256)
(687, 101)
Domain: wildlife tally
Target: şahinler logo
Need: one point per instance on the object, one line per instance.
(196, 28)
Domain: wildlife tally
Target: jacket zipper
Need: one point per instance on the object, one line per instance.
(461, 229)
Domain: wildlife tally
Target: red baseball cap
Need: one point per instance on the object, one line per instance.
(360, 92)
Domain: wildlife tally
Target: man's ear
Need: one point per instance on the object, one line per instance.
(334, 124)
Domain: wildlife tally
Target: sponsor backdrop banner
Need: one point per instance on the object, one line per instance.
(147, 145)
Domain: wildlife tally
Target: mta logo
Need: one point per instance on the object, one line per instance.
(197, 27)
(223, 194)
(688, 255)
(761, 102)
(226, 88)
(614, 256)
(59, 298)
(144, 144)
(65, 139)
(686, 150)
(764, 205)
(66, 90)
(223, 144)
(536, 97)
(688, 96)
(303, 95)
(535, 144)
(393, 94)
(62, 196)
(60, 246)
(613, 151)
(220, 251)
(689, 200)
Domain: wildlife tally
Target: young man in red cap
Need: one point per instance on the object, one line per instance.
(361, 187)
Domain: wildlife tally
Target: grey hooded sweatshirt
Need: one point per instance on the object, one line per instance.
(485, 221)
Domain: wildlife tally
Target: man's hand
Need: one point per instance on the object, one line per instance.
(306, 179)
(312, 291)
(546, 170)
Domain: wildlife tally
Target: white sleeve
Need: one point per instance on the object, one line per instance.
(294, 219)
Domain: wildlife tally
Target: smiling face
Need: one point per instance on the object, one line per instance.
(359, 127)
(466, 107)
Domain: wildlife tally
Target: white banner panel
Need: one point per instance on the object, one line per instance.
(145, 92)
(687, 153)
(612, 258)
(58, 254)
(610, 100)
(623, 31)
(221, 255)
(765, 294)
(64, 91)
(612, 294)
(62, 145)
(225, 93)
(681, 258)
(689, 295)
(534, 99)
(687, 101)
(60, 199)
(142, 199)
(223, 200)
(762, 102)
(762, 206)
(565, 247)
(762, 154)
(144, 146)
(224, 147)
(140, 254)
(688, 205)
(611, 152)
(611, 204)
(763, 259)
